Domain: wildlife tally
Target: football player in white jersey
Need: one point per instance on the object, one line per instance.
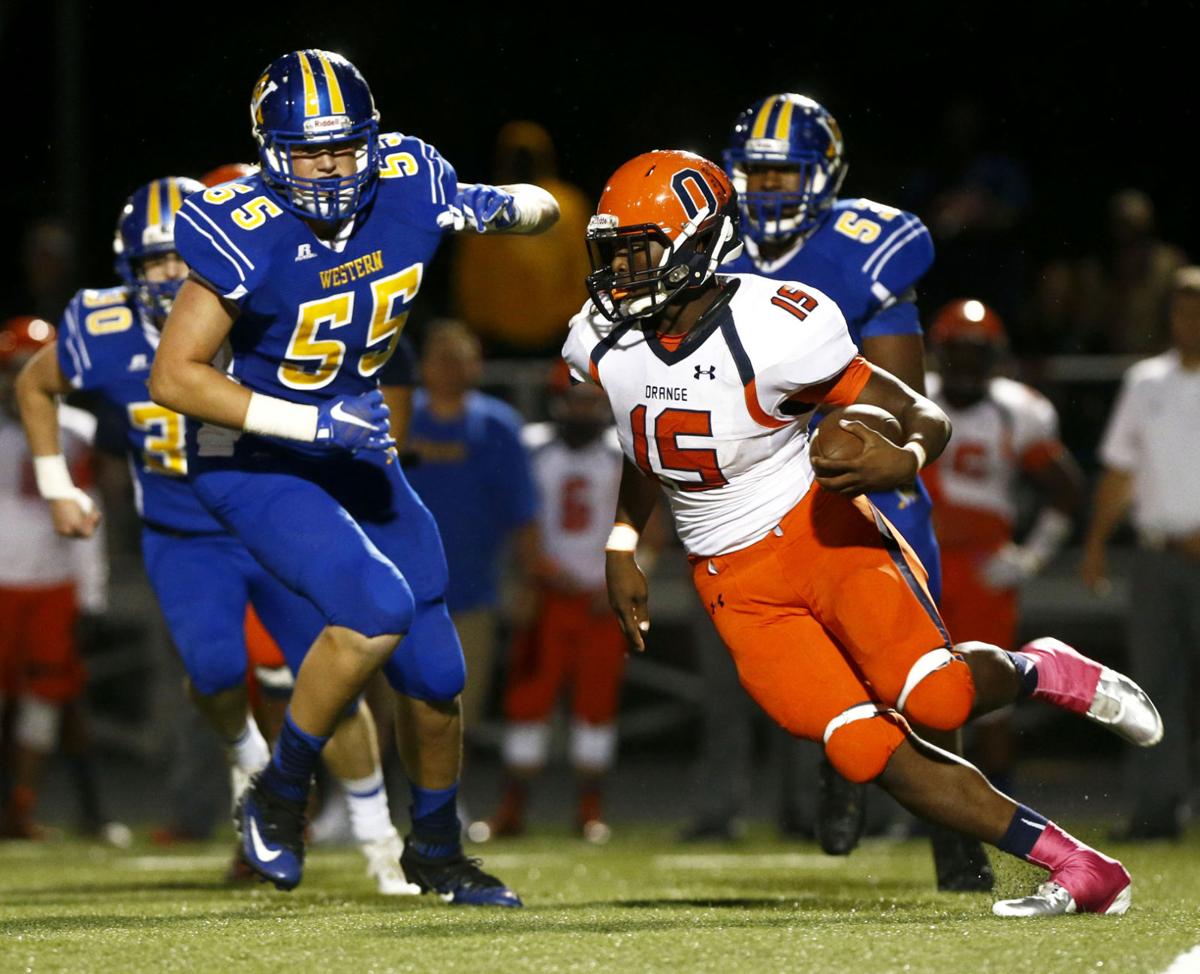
(571, 641)
(712, 380)
(1005, 434)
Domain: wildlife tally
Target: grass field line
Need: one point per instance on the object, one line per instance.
(1186, 963)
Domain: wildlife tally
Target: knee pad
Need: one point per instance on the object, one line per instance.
(221, 669)
(381, 605)
(860, 741)
(428, 664)
(37, 724)
(938, 691)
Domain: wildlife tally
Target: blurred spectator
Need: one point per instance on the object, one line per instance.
(48, 262)
(45, 582)
(572, 638)
(515, 290)
(1004, 433)
(473, 474)
(1152, 466)
(973, 195)
(1114, 301)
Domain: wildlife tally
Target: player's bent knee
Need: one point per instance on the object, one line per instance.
(217, 672)
(429, 663)
(860, 741)
(383, 604)
(939, 691)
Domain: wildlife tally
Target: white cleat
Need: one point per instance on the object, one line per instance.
(1123, 707)
(1051, 899)
(383, 862)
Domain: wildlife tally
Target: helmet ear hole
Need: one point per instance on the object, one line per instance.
(677, 275)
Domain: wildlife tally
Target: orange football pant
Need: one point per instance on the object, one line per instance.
(969, 605)
(38, 652)
(833, 631)
(569, 643)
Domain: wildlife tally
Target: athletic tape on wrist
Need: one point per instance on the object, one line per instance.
(623, 537)
(272, 416)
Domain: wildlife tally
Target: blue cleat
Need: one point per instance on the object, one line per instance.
(272, 830)
(456, 878)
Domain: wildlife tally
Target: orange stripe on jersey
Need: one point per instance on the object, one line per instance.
(842, 390)
(594, 373)
(1041, 455)
(757, 413)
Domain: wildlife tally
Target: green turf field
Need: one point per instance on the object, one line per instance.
(642, 903)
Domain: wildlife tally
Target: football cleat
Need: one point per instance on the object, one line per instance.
(272, 830)
(1072, 681)
(456, 878)
(383, 863)
(960, 862)
(1086, 883)
(841, 812)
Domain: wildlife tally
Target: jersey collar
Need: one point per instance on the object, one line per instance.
(708, 323)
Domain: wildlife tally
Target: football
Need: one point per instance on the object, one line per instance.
(834, 443)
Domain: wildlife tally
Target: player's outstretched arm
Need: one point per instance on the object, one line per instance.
(517, 208)
(39, 385)
(882, 465)
(628, 593)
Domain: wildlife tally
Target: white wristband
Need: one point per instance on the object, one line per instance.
(272, 416)
(54, 482)
(917, 450)
(623, 537)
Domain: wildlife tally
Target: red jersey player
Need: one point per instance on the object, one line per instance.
(712, 380)
(1005, 433)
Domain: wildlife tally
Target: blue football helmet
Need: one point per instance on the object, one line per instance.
(786, 131)
(306, 99)
(146, 228)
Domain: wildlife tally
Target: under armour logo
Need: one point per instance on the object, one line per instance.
(711, 372)
(719, 603)
(139, 363)
(304, 252)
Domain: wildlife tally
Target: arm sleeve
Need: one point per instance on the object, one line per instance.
(898, 318)
(440, 177)
(212, 254)
(903, 257)
(813, 355)
(74, 356)
(1121, 446)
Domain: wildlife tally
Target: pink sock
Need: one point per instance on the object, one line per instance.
(1064, 677)
(1091, 877)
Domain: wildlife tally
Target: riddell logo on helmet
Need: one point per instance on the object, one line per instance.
(326, 124)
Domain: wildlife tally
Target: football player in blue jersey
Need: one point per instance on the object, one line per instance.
(786, 159)
(202, 575)
(308, 270)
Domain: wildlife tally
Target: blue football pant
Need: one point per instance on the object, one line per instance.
(350, 535)
(203, 583)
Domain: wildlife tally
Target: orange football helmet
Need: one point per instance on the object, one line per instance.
(22, 336)
(968, 321)
(227, 172)
(665, 221)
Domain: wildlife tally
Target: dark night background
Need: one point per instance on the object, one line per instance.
(1089, 97)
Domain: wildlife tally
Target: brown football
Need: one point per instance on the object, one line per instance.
(834, 443)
